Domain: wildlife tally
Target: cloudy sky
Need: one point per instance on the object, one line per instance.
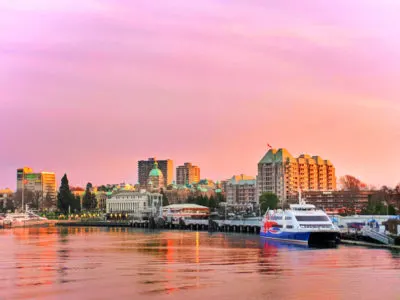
(90, 87)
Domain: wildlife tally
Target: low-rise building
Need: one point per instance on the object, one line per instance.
(178, 194)
(5, 195)
(337, 201)
(241, 190)
(186, 210)
(136, 204)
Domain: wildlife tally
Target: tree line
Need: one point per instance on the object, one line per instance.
(211, 202)
(68, 202)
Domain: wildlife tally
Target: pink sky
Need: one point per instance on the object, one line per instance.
(91, 87)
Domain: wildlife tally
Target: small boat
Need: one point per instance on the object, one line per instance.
(302, 224)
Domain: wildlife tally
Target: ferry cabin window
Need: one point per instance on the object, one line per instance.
(312, 218)
(277, 226)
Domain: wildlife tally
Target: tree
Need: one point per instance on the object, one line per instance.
(48, 201)
(212, 203)
(220, 198)
(65, 199)
(350, 183)
(268, 201)
(89, 201)
(391, 210)
(191, 199)
(9, 205)
(202, 200)
(165, 201)
(76, 204)
(102, 188)
(37, 197)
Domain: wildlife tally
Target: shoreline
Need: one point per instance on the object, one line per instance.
(127, 224)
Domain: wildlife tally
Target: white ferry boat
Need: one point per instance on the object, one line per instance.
(302, 223)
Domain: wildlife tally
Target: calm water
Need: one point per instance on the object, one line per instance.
(118, 263)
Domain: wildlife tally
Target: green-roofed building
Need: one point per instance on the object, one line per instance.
(281, 173)
(156, 179)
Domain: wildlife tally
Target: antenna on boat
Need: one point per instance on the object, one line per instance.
(301, 200)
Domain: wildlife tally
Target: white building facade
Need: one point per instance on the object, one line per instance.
(136, 204)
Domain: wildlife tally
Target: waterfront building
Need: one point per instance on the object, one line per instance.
(42, 184)
(187, 174)
(338, 201)
(145, 166)
(186, 210)
(241, 190)
(281, 173)
(136, 204)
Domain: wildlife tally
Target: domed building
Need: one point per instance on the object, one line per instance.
(156, 179)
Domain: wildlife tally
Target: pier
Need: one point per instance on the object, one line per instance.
(245, 226)
(249, 226)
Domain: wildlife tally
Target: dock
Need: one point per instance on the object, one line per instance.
(366, 244)
(245, 226)
(250, 226)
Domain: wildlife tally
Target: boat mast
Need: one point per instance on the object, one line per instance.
(299, 196)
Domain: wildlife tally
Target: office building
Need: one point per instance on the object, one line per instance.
(42, 185)
(187, 174)
(145, 166)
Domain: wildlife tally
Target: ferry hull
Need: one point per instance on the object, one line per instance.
(293, 237)
(305, 238)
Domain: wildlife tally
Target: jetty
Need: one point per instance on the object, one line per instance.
(251, 225)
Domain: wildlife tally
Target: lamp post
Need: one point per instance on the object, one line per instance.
(22, 193)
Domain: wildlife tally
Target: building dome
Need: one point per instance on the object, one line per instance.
(155, 172)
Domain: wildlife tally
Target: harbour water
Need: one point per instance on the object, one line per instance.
(127, 263)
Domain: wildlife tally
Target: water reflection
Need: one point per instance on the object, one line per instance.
(124, 263)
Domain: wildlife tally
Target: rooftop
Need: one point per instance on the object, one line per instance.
(155, 172)
(276, 156)
(185, 205)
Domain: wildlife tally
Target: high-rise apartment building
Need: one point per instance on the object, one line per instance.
(145, 166)
(187, 174)
(43, 184)
(241, 190)
(279, 172)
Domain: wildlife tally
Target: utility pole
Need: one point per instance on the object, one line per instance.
(23, 187)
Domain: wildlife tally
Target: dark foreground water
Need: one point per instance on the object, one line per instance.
(119, 263)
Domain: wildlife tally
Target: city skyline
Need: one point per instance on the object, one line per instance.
(216, 83)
